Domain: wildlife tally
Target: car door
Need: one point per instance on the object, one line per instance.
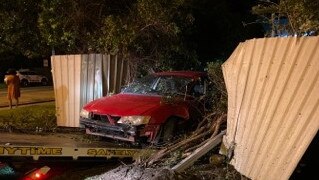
(34, 77)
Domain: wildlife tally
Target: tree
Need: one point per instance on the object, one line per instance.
(145, 32)
(302, 16)
(149, 34)
(18, 32)
(67, 26)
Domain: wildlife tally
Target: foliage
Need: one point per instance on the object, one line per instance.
(67, 26)
(149, 34)
(302, 15)
(2, 86)
(18, 19)
(218, 91)
(29, 118)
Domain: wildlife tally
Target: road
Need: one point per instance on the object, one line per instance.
(30, 95)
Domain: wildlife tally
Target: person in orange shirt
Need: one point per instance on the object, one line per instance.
(13, 83)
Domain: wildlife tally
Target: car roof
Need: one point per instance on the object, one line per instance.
(25, 70)
(188, 74)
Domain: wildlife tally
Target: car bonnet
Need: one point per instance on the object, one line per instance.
(124, 104)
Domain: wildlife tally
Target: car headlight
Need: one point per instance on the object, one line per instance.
(84, 113)
(134, 120)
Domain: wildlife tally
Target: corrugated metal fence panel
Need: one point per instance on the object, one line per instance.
(91, 77)
(66, 78)
(79, 79)
(273, 104)
(101, 75)
(116, 74)
(231, 125)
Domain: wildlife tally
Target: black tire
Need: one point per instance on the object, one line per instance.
(44, 82)
(167, 132)
(24, 82)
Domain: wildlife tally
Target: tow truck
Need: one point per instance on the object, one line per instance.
(59, 147)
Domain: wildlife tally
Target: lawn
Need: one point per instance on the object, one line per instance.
(2, 86)
(29, 118)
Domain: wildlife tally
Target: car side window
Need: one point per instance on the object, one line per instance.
(199, 87)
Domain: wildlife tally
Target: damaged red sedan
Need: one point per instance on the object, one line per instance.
(151, 109)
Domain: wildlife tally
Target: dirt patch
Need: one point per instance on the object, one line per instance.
(200, 172)
(137, 173)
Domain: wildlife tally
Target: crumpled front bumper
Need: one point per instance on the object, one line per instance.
(117, 131)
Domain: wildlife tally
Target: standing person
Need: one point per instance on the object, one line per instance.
(13, 83)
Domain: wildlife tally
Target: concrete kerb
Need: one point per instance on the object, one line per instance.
(26, 103)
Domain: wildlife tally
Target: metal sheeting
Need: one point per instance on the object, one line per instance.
(66, 80)
(91, 78)
(79, 79)
(273, 98)
(101, 75)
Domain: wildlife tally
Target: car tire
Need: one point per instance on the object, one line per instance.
(168, 131)
(24, 82)
(44, 82)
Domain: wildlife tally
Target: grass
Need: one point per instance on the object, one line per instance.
(2, 86)
(29, 118)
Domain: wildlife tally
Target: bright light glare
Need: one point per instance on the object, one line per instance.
(37, 175)
(134, 120)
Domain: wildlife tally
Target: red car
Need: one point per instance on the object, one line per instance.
(150, 109)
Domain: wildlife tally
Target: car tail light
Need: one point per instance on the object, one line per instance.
(37, 174)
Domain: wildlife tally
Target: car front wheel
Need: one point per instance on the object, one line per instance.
(44, 82)
(24, 83)
(167, 132)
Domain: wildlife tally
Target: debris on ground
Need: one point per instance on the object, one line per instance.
(183, 147)
(133, 172)
(159, 166)
(197, 172)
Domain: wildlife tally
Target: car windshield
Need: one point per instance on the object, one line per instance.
(23, 72)
(158, 85)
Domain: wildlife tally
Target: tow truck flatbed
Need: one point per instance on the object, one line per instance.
(61, 145)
